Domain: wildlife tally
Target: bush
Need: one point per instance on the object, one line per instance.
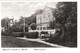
(17, 34)
(43, 32)
(54, 38)
(31, 34)
(3, 33)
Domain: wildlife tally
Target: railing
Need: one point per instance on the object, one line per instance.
(49, 31)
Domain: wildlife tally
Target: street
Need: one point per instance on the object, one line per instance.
(8, 41)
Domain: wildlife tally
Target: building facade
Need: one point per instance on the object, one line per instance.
(43, 19)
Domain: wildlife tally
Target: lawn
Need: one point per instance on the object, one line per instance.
(8, 41)
(64, 43)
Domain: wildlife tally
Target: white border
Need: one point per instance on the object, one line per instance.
(38, 0)
(47, 50)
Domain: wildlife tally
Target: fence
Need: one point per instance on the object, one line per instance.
(39, 31)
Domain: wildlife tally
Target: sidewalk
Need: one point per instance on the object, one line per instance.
(41, 41)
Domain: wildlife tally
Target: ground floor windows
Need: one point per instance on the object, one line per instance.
(37, 28)
(44, 28)
(40, 28)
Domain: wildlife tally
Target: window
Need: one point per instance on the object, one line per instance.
(37, 28)
(40, 28)
(44, 28)
(48, 28)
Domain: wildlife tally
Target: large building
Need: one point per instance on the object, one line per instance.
(43, 19)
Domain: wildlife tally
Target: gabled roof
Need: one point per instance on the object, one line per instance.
(52, 9)
(41, 11)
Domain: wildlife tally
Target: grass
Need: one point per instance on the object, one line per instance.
(8, 41)
(64, 43)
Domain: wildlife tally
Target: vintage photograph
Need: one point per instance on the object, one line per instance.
(39, 24)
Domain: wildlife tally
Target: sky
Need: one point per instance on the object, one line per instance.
(26, 9)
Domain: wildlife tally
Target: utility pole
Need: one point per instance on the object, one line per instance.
(24, 27)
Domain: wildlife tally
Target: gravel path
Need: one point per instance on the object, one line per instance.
(41, 41)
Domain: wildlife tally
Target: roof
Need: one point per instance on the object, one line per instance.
(41, 11)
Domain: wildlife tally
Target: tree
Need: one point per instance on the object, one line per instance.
(5, 23)
(66, 16)
(31, 19)
(28, 20)
(52, 24)
(33, 26)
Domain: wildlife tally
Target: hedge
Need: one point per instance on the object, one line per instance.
(17, 34)
(27, 34)
(31, 34)
(43, 32)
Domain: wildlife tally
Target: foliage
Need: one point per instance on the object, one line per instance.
(5, 21)
(65, 12)
(31, 19)
(28, 20)
(52, 24)
(31, 34)
(33, 26)
(66, 16)
(17, 26)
